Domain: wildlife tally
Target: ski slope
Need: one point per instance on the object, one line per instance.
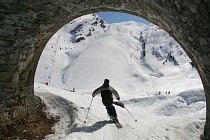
(142, 62)
(158, 117)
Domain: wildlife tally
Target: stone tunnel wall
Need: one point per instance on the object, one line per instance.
(27, 25)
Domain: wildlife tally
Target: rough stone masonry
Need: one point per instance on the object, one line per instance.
(27, 25)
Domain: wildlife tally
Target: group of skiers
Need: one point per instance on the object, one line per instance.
(167, 93)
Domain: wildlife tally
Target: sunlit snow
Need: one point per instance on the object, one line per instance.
(142, 62)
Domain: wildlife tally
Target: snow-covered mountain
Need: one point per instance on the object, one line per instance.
(142, 62)
(135, 57)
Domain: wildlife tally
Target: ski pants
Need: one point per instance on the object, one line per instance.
(111, 111)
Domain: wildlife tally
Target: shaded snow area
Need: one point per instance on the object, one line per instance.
(154, 77)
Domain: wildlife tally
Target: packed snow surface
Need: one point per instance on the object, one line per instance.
(154, 77)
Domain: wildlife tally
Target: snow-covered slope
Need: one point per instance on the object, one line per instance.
(142, 62)
(158, 117)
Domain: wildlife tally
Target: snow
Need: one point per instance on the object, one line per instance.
(115, 51)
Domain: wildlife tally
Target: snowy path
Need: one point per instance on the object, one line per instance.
(152, 124)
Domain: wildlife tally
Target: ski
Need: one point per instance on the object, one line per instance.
(116, 122)
(118, 125)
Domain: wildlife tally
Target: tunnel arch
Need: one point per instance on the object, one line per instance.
(27, 26)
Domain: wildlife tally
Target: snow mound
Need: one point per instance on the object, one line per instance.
(187, 102)
(147, 101)
(192, 96)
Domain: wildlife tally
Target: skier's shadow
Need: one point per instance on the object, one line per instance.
(89, 129)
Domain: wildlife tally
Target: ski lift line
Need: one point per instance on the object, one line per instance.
(46, 76)
(51, 68)
(48, 67)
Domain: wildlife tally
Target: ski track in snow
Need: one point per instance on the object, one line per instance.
(72, 108)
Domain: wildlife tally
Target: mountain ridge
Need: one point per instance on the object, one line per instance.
(87, 50)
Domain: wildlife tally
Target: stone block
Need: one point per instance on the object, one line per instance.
(22, 65)
(24, 75)
(22, 83)
(15, 76)
(9, 67)
(2, 61)
(2, 42)
(197, 1)
(203, 42)
(14, 84)
(2, 84)
(37, 57)
(6, 76)
(10, 103)
(193, 8)
(4, 117)
(9, 90)
(14, 56)
(33, 66)
(9, 76)
(27, 91)
(17, 93)
(41, 45)
(2, 106)
(5, 96)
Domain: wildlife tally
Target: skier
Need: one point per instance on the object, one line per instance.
(107, 98)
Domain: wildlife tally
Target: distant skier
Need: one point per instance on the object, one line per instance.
(107, 98)
(159, 93)
(46, 83)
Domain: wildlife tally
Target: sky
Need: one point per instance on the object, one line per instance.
(116, 17)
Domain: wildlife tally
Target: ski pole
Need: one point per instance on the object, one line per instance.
(130, 114)
(88, 110)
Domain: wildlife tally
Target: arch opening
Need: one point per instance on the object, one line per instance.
(185, 95)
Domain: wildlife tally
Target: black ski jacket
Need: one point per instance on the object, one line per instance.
(106, 94)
